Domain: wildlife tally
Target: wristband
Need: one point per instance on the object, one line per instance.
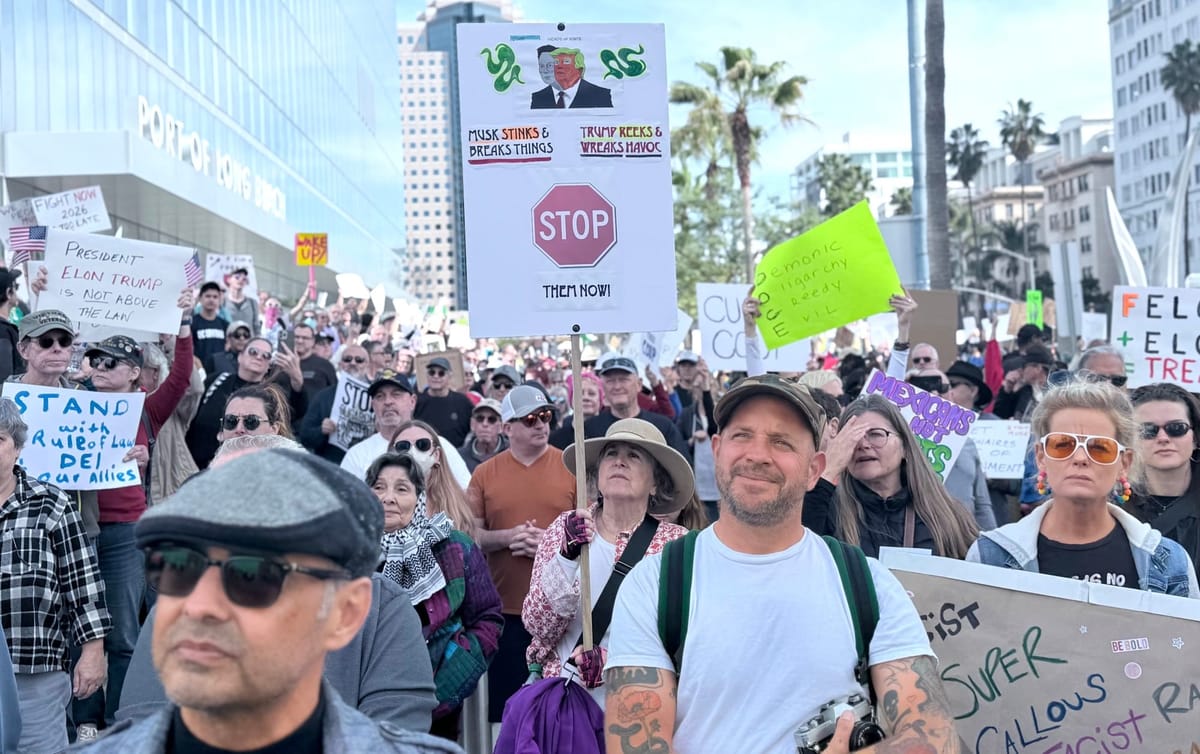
(186, 321)
(900, 345)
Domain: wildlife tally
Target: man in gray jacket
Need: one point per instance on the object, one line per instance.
(257, 582)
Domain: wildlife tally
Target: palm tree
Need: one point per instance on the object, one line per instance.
(966, 152)
(843, 183)
(741, 83)
(1181, 77)
(901, 200)
(1020, 131)
(937, 210)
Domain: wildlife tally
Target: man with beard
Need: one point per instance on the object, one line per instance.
(785, 582)
(318, 425)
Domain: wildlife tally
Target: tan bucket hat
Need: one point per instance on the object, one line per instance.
(646, 436)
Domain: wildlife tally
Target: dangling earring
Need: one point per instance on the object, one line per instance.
(1041, 482)
(1122, 491)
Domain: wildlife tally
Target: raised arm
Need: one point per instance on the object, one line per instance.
(640, 711)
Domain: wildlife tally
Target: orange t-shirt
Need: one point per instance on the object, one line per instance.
(505, 493)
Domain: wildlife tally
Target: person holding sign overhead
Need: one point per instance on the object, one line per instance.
(1085, 454)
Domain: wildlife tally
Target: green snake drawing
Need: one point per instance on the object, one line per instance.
(623, 63)
(503, 66)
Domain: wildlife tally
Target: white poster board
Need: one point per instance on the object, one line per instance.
(351, 285)
(723, 338)
(78, 438)
(1036, 663)
(79, 210)
(671, 342)
(1002, 446)
(218, 268)
(941, 427)
(1156, 330)
(568, 208)
(1095, 326)
(115, 283)
(645, 348)
(351, 412)
(16, 214)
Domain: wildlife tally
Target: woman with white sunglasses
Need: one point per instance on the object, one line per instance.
(1086, 456)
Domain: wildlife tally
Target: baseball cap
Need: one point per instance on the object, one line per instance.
(773, 385)
(687, 357)
(488, 404)
(43, 321)
(507, 372)
(1039, 355)
(439, 363)
(246, 504)
(615, 362)
(389, 377)
(522, 401)
(119, 347)
(240, 326)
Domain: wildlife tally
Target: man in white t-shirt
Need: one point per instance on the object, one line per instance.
(392, 402)
(769, 638)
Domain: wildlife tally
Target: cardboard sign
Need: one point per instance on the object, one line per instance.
(78, 210)
(351, 412)
(934, 323)
(1157, 331)
(1035, 663)
(457, 368)
(568, 206)
(1002, 446)
(115, 282)
(312, 249)
(941, 427)
(77, 438)
(218, 268)
(723, 338)
(16, 214)
(835, 273)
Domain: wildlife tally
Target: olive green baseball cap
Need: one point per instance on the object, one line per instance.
(772, 385)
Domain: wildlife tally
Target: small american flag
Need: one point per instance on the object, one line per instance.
(27, 243)
(192, 271)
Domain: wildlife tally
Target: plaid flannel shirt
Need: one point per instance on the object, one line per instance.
(51, 594)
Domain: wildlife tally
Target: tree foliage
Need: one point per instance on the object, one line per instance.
(843, 183)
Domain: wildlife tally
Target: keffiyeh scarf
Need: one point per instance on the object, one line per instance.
(409, 553)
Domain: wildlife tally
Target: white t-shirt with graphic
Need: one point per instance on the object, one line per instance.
(769, 641)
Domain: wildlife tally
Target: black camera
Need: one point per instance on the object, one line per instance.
(813, 736)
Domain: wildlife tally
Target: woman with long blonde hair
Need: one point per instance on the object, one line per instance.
(442, 491)
(889, 495)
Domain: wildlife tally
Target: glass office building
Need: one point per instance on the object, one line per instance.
(229, 125)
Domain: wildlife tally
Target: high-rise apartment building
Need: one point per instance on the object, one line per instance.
(887, 160)
(437, 262)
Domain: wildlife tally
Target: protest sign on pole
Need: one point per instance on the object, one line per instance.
(351, 412)
(566, 178)
(115, 282)
(312, 249)
(378, 298)
(78, 438)
(1033, 307)
(79, 210)
(934, 323)
(671, 342)
(835, 273)
(645, 348)
(1158, 332)
(1002, 446)
(457, 368)
(1036, 663)
(1094, 327)
(16, 214)
(723, 337)
(351, 285)
(218, 268)
(940, 426)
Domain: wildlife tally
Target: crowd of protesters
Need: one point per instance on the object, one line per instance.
(110, 618)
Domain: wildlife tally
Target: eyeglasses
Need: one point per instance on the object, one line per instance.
(486, 418)
(108, 362)
(1173, 429)
(502, 385)
(248, 580)
(1116, 380)
(251, 422)
(355, 359)
(258, 354)
(436, 372)
(423, 444)
(48, 341)
(1100, 449)
(240, 335)
(878, 437)
(545, 416)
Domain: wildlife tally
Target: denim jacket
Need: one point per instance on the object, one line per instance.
(1162, 564)
(346, 731)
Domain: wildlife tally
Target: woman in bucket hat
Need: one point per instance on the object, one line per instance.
(638, 477)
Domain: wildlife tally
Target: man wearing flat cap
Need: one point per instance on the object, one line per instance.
(256, 584)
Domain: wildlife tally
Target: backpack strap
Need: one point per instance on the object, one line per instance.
(862, 600)
(674, 595)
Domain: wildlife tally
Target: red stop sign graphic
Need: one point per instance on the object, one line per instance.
(574, 225)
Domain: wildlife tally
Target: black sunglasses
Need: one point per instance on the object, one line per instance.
(436, 372)
(48, 341)
(108, 362)
(240, 335)
(502, 385)
(230, 421)
(424, 445)
(488, 418)
(922, 359)
(355, 359)
(545, 416)
(1173, 429)
(249, 580)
